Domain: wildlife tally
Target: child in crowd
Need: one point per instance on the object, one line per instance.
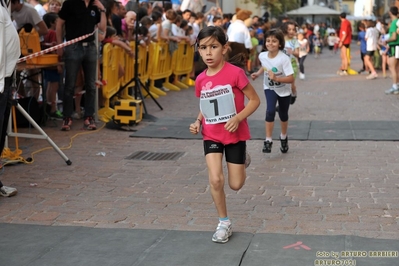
(363, 45)
(227, 130)
(52, 76)
(253, 54)
(383, 49)
(303, 52)
(278, 75)
(317, 44)
(371, 41)
(332, 39)
(292, 50)
(111, 37)
(156, 31)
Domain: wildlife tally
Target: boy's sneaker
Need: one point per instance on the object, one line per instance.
(392, 90)
(247, 159)
(89, 123)
(301, 76)
(343, 73)
(284, 145)
(267, 146)
(57, 115)
(66, 125)
(223, 232)
(8, 191)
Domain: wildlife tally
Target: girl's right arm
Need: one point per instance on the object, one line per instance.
(196, 126)
(257, 73)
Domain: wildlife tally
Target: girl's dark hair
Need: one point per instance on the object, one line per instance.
(50, 18)
(279, 35)
(285, 25)
(110, 31)
(183, 23)
(155, 15)
(146, 21)
(157, 8)
(142, 30)
(141, 12)
(218, 34)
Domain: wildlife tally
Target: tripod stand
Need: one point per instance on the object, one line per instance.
(42, 135)
(137, 81)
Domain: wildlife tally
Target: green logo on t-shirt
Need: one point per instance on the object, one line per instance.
(274, 70)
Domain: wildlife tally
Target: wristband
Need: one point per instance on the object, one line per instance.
(199, 120)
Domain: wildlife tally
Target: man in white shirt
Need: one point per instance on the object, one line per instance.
(9, 54)
(39, 8)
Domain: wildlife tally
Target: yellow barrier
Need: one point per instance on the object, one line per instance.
(154, 62)
(110, 76)
(182, 65)
(160, 67)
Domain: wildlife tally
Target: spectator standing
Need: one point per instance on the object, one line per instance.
(80, 18)
(393, 43)
(54, 6)
(39, 8)
(345, 39)
(383, 49)
(371, 40)
(117, 15)
(363, 45)
(52, 76)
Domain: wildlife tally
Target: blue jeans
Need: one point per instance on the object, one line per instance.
(75, 56)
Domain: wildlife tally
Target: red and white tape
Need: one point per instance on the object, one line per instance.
(51, 49)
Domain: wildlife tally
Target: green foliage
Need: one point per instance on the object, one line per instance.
(276, 7)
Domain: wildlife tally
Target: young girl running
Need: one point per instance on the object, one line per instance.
(303, 52)
(278, 75)
(291, 48)
(222, 89)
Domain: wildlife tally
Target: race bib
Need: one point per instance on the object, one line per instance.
(271, 84)
(217, 105)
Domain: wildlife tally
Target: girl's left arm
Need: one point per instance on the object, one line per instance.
(252, 105)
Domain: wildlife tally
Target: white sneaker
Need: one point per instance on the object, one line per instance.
(8, 191)
(392, 90)
(343, 73)
(223, 232)
(372, 76)
(301, 76)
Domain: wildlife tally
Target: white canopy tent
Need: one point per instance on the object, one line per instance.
(313, 11)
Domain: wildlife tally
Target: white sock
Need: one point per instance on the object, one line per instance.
(269, 139)
(283, 136)
(395, 86)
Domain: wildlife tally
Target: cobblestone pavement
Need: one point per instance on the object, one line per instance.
(317, 188)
